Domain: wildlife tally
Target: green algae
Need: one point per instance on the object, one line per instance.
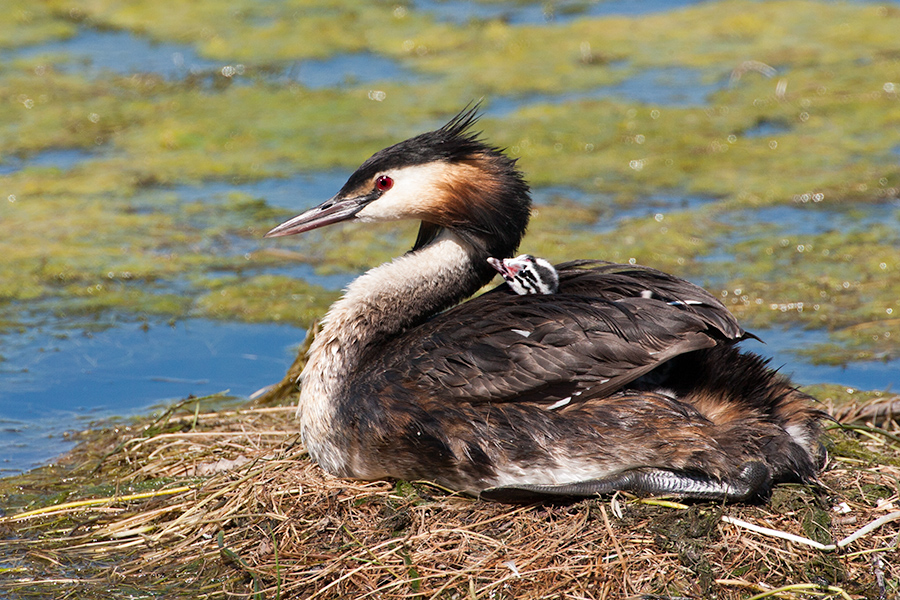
(259, 32)
(157, 133)
(839, 395)
(55, 257)
(497, 57)
(27, 22)
(669, 241)
(843, 281)
(620, 147)
(834, 103)
(268, 298)
(847, 447)
(241, 131)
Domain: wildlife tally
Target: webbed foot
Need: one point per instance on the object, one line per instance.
(752, 484)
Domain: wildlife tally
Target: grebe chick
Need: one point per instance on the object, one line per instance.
(527, 274)
(626, 378)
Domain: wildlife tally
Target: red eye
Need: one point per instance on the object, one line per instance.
(384, 183)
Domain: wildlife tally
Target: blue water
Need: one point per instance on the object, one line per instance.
(655, 205)
(92, 52)
(767, 129)
(52, 380)
(346, 69)
(780, 345)
(809, 219)
(612, 213)
(671, 86)
(537, 12)
(57, 158)
(296, 193)
(57, 376)
(542, 12)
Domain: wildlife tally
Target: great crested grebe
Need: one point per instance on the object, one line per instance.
(527, 274)
(626, 378)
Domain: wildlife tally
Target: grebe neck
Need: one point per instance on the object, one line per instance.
(377, 306)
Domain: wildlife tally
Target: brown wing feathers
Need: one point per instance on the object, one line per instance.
(504, 347)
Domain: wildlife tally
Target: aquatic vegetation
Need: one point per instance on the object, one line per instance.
(267, 298)
(845, 281)
(672, 242)
(834, 98)
(831, 395)
(616, 147)
(146, 262)
(27, 22)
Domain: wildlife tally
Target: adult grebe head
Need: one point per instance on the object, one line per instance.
(447, 179)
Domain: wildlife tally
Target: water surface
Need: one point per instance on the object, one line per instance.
(541, 12)
(94, 53)
(297, 192)
(779, 345)
(54, 380)
(57, 158)
(670, 86)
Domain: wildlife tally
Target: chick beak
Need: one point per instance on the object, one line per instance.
(331, 211)
(507, 271)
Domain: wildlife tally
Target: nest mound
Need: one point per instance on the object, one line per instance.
(227, 504)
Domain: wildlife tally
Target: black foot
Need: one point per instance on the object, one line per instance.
(752, 484)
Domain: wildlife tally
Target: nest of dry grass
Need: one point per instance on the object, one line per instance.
(227, 504)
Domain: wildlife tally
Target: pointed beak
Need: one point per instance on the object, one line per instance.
(331, 211)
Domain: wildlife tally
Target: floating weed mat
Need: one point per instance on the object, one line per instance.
(226, 504)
